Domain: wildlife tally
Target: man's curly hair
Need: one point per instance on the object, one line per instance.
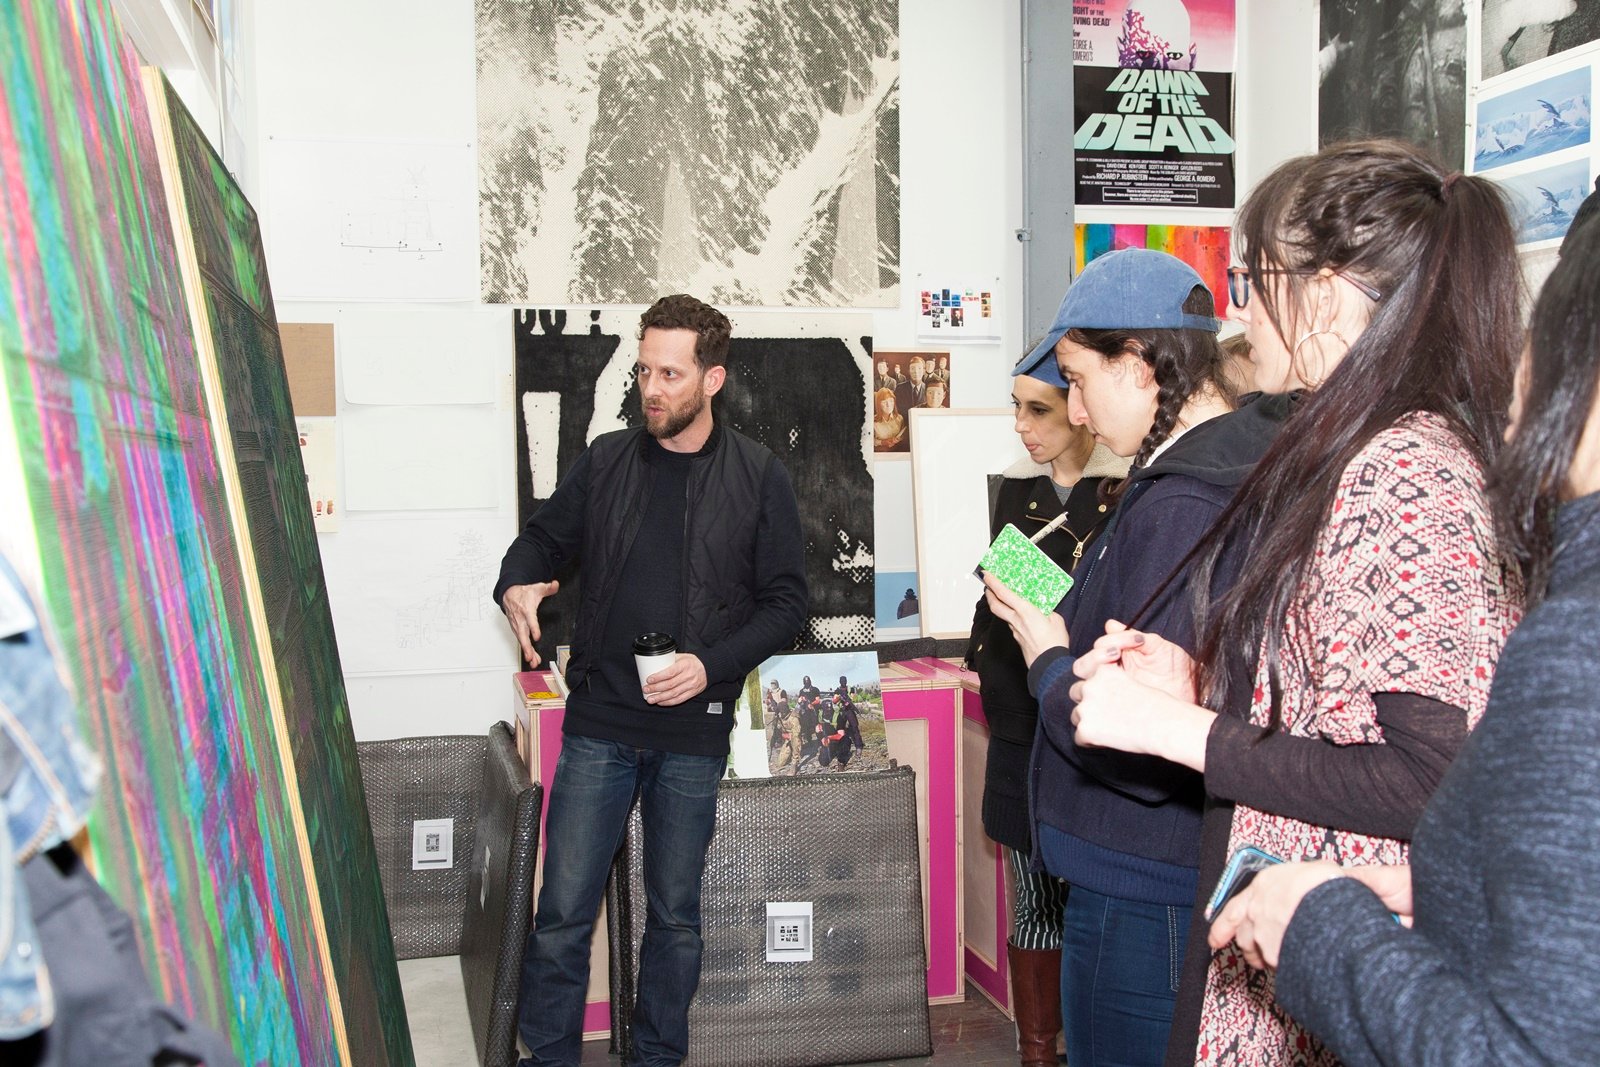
(683, 312)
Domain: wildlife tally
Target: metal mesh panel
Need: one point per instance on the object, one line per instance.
(848, 844)
(413, 778)
(499, 891)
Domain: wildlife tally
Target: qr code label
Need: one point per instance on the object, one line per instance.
(431, 843)
(789, 931)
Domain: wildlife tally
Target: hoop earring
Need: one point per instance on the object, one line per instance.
(1294, 353)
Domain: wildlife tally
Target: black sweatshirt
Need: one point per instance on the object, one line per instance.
(1131, 823)
(610, 705)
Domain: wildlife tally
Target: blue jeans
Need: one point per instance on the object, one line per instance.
(595, 783)
(1120, 964)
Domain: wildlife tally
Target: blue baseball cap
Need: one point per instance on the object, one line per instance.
(1129, 289)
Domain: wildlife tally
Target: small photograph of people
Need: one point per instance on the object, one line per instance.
(816, 713)
(902, 381)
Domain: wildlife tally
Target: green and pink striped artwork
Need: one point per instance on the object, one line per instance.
(119, 497)
(240, 350)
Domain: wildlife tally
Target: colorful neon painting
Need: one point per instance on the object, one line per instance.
(140, 567)
(1205, 248)
(241, 353)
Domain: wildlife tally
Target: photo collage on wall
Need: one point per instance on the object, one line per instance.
(957, 314)
(1531, 123)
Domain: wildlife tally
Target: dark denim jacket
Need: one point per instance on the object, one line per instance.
(47, 782)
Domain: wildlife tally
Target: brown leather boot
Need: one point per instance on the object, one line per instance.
(1036, 998)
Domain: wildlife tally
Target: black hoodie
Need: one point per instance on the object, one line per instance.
(1131, 824)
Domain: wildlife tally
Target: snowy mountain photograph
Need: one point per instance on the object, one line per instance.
(1533, 121)
(744, 151)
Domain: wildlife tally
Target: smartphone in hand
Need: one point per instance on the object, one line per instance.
(1242, 868)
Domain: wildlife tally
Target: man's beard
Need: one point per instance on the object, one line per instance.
(672, 422)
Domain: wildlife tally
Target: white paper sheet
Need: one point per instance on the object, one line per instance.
(421, 458)
(413, 594)
(953, 455)
(409, 354)
(319, 452)
(383, 706)
(371, 220)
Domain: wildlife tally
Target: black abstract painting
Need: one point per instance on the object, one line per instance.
(795, 383)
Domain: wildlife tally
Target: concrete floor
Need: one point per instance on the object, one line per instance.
(970, 1034)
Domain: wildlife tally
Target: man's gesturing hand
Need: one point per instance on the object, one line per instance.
(521, 605)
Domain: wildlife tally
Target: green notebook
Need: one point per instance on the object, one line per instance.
(1023, 568)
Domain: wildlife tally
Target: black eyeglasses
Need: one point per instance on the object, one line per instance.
(1239, 282)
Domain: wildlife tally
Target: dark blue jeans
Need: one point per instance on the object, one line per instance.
(1120, 964)
(595, 783)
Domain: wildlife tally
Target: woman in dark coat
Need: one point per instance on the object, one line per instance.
(1062, 473)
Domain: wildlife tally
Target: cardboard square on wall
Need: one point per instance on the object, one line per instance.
(308, 354)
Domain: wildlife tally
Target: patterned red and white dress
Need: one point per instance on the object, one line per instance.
(1408, 592)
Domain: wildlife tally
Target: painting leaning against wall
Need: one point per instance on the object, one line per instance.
(121, 504)
(241, 358)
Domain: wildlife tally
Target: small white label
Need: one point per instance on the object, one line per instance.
(714, 708)
(432, 844)
(788, 931)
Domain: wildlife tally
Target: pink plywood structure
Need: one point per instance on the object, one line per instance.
(922, 716)
(987, 915)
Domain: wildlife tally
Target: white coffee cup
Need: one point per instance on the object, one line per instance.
(653, 653)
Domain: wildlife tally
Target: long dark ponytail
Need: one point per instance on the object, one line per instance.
(1559, 381)
(1442, 338)
(1183, 362)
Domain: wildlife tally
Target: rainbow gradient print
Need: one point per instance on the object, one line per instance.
(141, 570)
(1205, 248)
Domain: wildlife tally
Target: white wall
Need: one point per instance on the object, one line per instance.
(1276, 108)
(961, 180)
(402, 70)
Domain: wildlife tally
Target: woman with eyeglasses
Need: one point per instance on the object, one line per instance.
(1334, 682)
(1499, 964)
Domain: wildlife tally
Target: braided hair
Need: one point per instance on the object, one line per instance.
(1184, 362)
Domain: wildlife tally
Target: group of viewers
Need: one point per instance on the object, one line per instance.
(822, 727)
(1344, 618)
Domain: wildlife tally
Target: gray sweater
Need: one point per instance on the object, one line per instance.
(1503, 965)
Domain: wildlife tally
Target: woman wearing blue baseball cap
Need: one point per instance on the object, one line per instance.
(1336, 680)
(1135, 344)
(1056, 487)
